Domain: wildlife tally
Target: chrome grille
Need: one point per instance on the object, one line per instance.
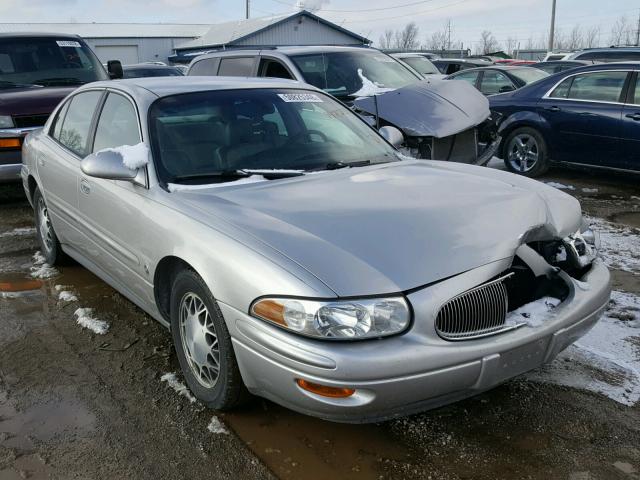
(475, 313)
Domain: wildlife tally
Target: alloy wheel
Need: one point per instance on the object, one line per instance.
(44, 226)
(523, 152)
(199, 340)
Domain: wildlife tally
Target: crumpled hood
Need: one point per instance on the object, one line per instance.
(31, 101)
(430, 108)
(392, 227)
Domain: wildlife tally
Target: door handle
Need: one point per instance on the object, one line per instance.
(85, 187)
(633, 116)
(553, 108)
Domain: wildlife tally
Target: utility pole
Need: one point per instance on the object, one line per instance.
(553, 25)
(248, 3)
(449, 35)
(638, 31)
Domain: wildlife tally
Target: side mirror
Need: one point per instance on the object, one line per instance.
(392, 135)
(506, 88)
(107, 165)
(114, 67)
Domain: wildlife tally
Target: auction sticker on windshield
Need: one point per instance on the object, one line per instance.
(300, 97)
(68, 43)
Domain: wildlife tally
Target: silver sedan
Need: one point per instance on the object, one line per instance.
(296, 255)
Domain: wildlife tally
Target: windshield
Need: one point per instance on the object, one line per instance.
(47, 62)
(198, 136)
(421, 65)
(151, 72)
(353, 74)
(528, 74)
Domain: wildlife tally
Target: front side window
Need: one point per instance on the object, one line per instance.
(494, 82)
(274, 69)
(47, 62)
(236, 67)
(76, 125)
(118, 124)
(196, 136)
(353, 74)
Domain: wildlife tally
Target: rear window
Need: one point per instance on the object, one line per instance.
(528, 74)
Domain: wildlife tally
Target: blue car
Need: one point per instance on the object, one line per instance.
(587, 116)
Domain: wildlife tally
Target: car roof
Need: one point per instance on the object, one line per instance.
(505, 68)
(165, 86)
(477, 61)
(39, 35)
(147, 65)
(296, 50)
(408, 54)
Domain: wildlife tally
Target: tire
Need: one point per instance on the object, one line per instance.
(196, 338)
(49, 244)
(525, 152)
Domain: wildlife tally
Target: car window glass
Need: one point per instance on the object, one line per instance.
(562, 90)
(495, 82)
(470, 77)
(421, 65)
(453, 68)
(56, 125)
(236, 67)
(274, 69)
(206, 67)
(598, 86)
(636, 93)
(77, 122)
(118, 124)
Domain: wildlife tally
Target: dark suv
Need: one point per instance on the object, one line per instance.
(36, 72)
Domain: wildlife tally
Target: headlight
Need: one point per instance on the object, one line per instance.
(6, 121)
(337, 320)
(582, 247)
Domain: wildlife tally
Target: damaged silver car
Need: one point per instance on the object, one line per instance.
(294, 254)
(438, 120)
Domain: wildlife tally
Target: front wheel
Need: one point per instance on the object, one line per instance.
(203, 344)
(47, 238)
(526, 152)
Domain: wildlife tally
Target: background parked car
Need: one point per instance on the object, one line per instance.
(139, 70)
(499, 79)
(438, 120)
(607, 55)
(588, 116)
(419, 63)
(447, 66)
(557, 66)
(36, 72)
(555, 56)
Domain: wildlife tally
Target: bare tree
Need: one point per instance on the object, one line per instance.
(386, 39)
(592, 37)
(574, 39)
(621, 32)
(510, 45)
(407, 38)
(437, 41)
(487, 43)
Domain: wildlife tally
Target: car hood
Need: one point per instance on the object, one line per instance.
(430, 108)
(31, 101)
(392, 227)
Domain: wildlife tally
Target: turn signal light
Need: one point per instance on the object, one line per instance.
(10, 143)
(323, 390)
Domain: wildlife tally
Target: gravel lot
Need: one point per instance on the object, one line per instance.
(76, 404)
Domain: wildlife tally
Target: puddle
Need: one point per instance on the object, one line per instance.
(296, 446)
(631, 219)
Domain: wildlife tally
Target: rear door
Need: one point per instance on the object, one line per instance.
(58, 163)
(631, 126)
(584, 113)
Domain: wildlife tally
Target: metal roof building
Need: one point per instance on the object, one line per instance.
(144, 42)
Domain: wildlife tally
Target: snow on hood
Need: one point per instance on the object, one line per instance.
(133, 156)
(438, 220)
(176, 187)
(369, 88)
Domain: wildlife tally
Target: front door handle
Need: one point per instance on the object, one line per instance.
(554, 108)
(85, 187)
(633, 116)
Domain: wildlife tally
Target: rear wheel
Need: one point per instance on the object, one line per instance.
(525, 152)
(203, 344)
(47, 238)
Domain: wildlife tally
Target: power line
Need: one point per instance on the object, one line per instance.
(414, 14)
(283, 2)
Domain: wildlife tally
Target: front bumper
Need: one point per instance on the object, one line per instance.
(11, 159)
(412, 372)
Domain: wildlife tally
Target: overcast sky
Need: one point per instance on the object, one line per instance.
(518, 19)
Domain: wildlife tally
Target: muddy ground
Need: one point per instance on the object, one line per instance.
(74, 404)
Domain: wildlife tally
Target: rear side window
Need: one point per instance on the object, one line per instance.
(562, 90)
(206, 67)
(236, 67)
(274, 69)
(596, 87)
(470, 77)
(495, 82)
(76, 125)
(118, 124)
(56, 125)
(611, 56)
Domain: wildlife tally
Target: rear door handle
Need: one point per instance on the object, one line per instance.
(553, 109)
(633, 116)
(85, 187)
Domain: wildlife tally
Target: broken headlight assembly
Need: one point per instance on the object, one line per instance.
(581, 248)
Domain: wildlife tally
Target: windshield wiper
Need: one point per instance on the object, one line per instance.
(8, 84)
(274, 174)
(52, 82)
(338, 165)
(219, 174)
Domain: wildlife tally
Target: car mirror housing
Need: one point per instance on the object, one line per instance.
(107, 165)
(507, 88)
(392, 135)
(114, 67)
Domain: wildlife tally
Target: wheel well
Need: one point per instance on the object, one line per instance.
(505, 134)
(166, 271)
(32, 184)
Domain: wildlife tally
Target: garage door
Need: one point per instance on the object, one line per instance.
(127, 54)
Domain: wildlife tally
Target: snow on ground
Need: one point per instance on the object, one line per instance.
(85, 318)
(590, 190)
(607, 359)
(18, 232)
(560, 186)
(41, 269)
(620, 245)
(178, 386)
(67, 296)
(216, 426)
(535, 313)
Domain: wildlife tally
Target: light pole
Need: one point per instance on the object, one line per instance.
(553, 25)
